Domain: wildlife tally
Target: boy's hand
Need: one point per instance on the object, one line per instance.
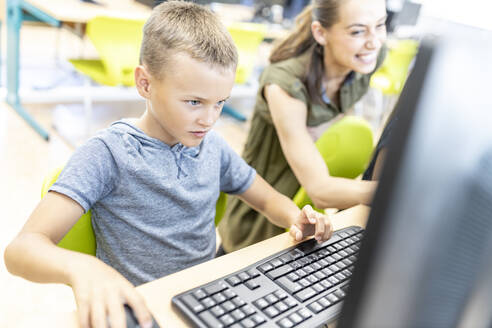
(310, 223)
(101, 292)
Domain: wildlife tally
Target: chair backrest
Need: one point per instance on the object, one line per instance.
(247, 38)
(346, 147)
(391, 76)
(117, 41)
(81, 236)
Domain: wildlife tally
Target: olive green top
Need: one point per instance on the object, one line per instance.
(242, 226)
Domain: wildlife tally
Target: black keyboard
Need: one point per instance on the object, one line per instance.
(302, 286)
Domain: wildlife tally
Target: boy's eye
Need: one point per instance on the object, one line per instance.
(193, 102)
(220, 103)
(381, 25)
(357, 32)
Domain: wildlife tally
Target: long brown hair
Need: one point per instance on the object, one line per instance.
(301, 40)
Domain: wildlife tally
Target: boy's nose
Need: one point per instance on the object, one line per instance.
(210, 115)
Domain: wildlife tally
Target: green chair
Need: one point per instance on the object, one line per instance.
(346, 147)
(81, 236)
(247, 37)
(391, 76)
(117, 41)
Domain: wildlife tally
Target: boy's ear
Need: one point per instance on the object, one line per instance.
(142, 81)
(318, 32)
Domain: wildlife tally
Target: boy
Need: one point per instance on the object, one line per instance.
(152, 182)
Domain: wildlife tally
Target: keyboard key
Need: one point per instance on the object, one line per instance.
(280, 294)
(340, 293)
(286, 258)
(248, 323)
(261, 303)
(228, 306)
(333, 298)
(248, 310)
(215, 288)
(318, 287)
(295, 253)
(217, 310)
(210, 320)
(219, 298)
(306, 294)
(258, 319)
(271, 311)
(252, 284)
(253, 273)
(344, 234)
(233, 281)
(293, 276)
(285, 323)
(265, 267)
(243, 276)
(227, 319)
(327, 284)
(301, 273)
(238, 302)
(290, 302)
(199, 294)
(276, 263)
(304, 283)
(325, 303)
(192, 303)
(290, 286)
(271, 299)
(238, 315)
(280, 271)
(295, 318)
(229, 294)
(208, 302)
(281, 306)
(304, 313)
(315, 307)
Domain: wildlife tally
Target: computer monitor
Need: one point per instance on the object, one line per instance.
(425, 259)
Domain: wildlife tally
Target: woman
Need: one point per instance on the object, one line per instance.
(316, 74)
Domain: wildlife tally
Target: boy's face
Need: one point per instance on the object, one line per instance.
(184, 104)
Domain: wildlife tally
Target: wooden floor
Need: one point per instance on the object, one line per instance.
(25, 158)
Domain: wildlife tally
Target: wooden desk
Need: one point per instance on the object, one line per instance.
(158, 293)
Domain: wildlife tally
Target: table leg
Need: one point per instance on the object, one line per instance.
(14, 22)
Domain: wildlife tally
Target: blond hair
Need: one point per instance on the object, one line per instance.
(185, 27)
(301, 40)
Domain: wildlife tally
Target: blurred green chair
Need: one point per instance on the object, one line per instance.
(346, 147)
(247, 37)
(392, 74)
(117, 41)
(80, 237)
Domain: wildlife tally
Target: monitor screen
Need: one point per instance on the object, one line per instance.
(425, 258)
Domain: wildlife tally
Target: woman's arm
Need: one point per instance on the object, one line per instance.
(289, 117)
(99, 289)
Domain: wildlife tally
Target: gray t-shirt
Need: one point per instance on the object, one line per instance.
(153, 206)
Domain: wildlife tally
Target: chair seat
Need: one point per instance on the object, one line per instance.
(95, 69)
(346, 147)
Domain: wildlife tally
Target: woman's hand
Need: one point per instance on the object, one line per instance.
(101, 292)
(310, 223)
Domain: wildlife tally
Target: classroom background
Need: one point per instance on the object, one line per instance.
(52, 92)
